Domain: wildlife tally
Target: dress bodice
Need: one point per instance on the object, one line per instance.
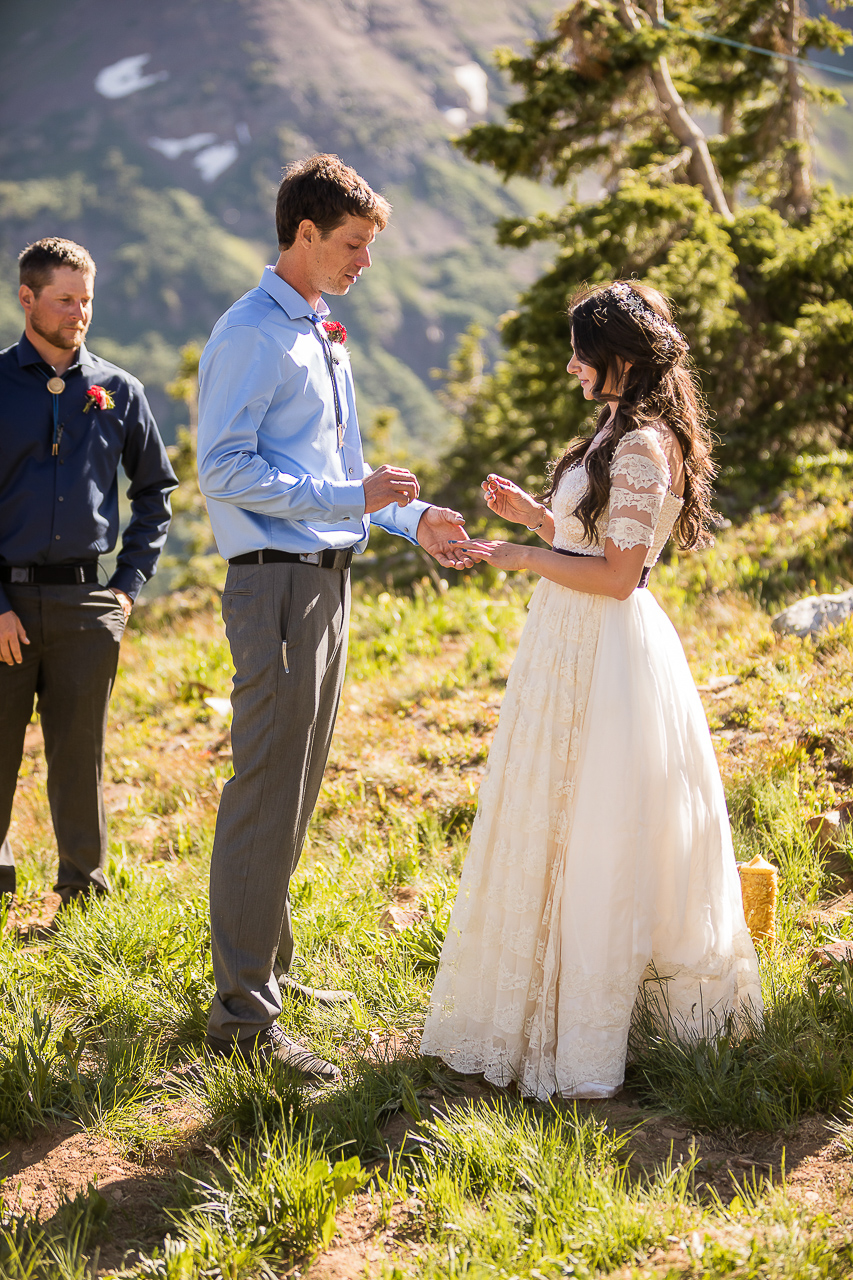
(643, 509)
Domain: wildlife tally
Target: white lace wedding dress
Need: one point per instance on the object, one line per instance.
(601, 857)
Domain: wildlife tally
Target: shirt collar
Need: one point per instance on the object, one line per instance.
(28, 355)
(291, 302)
(85, 359)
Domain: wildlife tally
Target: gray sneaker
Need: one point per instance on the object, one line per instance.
(272, 1043)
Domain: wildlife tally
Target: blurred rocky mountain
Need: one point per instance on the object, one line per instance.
(155, 133)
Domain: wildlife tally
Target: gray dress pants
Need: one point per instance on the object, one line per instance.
(287, 625)
(68, 671)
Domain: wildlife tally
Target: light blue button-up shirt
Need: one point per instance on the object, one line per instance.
(269, 459)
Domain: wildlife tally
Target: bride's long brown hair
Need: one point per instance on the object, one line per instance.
(610, 330)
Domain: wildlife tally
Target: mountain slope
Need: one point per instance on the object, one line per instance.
(156, 134)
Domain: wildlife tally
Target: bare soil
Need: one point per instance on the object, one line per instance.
(39, 1172)
(60, 1162)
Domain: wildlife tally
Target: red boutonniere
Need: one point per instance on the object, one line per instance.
(335, 331)
(98, 396)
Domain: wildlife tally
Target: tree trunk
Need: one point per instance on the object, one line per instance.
(799, 195)
(727, 125)
(702, 169)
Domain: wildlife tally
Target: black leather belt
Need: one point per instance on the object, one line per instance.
(53, 575)
(327, 559)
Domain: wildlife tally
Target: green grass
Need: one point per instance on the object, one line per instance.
(102, 1021)
(66, 1248)
(516, 1191)
(800, 1060)
(260, 1208)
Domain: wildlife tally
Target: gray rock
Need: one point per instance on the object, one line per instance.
(813, 614)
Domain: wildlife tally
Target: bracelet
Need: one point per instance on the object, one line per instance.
(534, 527)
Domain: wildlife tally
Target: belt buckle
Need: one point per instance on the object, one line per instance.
(20, 575)
(311, 557)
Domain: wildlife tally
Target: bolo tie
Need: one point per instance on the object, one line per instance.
(55, 386)
(330, 365)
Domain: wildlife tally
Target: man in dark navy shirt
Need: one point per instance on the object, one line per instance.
(67, 421)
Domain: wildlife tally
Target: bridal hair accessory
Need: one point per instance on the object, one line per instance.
(100, 397)
(625, 297)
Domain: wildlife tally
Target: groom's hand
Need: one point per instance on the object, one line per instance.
(438, 529)
(389, 484)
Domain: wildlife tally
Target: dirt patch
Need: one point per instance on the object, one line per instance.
(34, 917)
(827, 912)
(809, 1160)
(838, 864)
(368, 1237)
(53, 1164)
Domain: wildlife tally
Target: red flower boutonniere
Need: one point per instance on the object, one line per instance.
(98, 396)
(335, 331)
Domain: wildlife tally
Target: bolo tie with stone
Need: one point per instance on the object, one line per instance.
(330, 365)
(56, 386)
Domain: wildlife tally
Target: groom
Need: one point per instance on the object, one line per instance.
(290, 499)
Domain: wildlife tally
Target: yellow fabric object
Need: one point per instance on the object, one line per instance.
(759, 886)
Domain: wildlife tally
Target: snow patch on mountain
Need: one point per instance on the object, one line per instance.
(124, 77)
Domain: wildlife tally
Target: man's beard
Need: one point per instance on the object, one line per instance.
(59, 338)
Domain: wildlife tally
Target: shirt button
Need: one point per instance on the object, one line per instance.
(57, 538)
(61, 499)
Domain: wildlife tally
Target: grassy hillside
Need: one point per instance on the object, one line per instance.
(716, 1161)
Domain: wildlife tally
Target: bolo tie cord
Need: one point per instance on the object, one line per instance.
(54, 395)
(57, 429)
(330, 365)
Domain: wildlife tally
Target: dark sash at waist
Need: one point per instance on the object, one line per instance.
(644, 576)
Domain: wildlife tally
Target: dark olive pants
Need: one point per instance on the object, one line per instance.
(287, 626)
(68, 671)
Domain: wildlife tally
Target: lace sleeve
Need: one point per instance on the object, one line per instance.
(640, 477)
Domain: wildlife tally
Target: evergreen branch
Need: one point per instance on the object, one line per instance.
(816, 33)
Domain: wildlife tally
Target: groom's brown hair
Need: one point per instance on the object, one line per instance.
(324, 190)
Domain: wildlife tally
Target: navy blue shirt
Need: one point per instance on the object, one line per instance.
(63, 508)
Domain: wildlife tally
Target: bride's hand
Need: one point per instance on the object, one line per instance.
(503, 555)
(510, 502)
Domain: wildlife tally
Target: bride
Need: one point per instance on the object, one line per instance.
(601, 861)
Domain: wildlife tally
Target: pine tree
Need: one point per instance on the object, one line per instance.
(728, 223)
